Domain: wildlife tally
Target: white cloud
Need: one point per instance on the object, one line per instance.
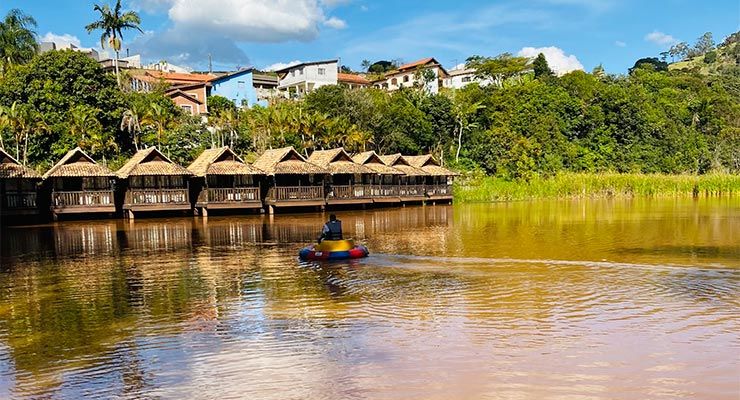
(556, 58)
(620, 43)
(62, 41)
(660, 38)
(335, 23)
(151, 6)
(334, 3)
(279, 66)
(363, 8)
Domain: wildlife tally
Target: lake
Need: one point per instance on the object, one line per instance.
(589, 299)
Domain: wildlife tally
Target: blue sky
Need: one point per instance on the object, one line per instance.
(237, 33)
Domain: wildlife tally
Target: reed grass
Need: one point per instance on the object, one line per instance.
(573, 185)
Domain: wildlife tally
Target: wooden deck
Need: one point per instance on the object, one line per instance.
(79, 202)
(295, 196)
(350, 194)
(156, 200)
(411, 193)
(229, 198)
(385, 194)
(439, 192)
(19, 203)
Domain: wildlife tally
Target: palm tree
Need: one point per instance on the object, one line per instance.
(131, 123)
(17, 39)
(159, 118)
(113, 23)
(22, 120)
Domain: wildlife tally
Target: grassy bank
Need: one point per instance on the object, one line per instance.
(567, 185)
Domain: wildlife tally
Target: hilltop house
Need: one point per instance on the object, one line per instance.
(236, 86)
(459, 78)
(265, 86)
(188, 91)
(410, 75)
(352, 81)
(300, 79)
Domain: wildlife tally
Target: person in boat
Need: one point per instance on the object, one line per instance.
(332, 229)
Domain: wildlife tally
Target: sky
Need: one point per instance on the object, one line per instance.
(573, 34)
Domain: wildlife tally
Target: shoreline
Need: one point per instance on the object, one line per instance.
(583, 186)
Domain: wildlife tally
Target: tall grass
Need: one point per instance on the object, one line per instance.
(572, 185)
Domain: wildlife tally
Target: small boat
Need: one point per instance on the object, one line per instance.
(333, 250)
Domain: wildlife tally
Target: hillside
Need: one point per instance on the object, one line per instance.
(725, 59)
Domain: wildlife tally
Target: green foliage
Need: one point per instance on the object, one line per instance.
(17, 39)
(219, 104)
(710, 57)
(541, 68)
(649, 62)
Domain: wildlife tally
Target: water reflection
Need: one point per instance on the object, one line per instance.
(524, 300)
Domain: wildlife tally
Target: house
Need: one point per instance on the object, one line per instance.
(79, 185)
(152, 182)
(291, 180)
(438, 184)
(411, 186)
(224, 181)
(165, 66)
(300, 79)
(236, 86)
(346, 179)
(352, 81)
(459, 78)
(386, 180)
(411, 75)
(188, 91)
(50, 46)
(265, 86)
(18, 187)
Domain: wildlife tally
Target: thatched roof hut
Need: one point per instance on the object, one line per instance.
(372, 161)
(286, 161)
(11, 168)
(337, 161)
(429, 165)
(150, 162)
(398, 162)
(221, 161)
(77, 164)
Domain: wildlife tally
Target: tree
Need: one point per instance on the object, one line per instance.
(161, 119)
(365, 64)
(23, 120)
(113, 23)
(704, 44)
(541, 68)
(17, 39)
(498, 69)
(463, 110)
(656, 64)
(598, 71)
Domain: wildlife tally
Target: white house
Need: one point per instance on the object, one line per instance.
(459, 78)
(297, 80)
(412, 74)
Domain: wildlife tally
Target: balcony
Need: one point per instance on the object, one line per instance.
(412, 192)
(19, 203)
(85, 201)
(295, 196)
(220, 198)
(156, 199)
(349, 194)
(385, 193)
(439, 192)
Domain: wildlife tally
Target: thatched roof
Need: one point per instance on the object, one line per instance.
(286, 161)
(77, 164)
(429, 164)
(11, 168)
(398, 162)
(150, 162)
(337, 161)
(221, 161)
(371, 160)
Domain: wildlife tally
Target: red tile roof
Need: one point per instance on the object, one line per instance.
(417, 63)
(172, 77)
(352, 78)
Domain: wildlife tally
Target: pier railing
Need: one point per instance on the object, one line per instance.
(385, 191)
(157, 196)
(412, 190)
(439, 190)
(287, 193)
(83, 198)
(230, 195)
(349, 192)
(20, 200)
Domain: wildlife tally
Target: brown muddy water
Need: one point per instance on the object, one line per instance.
(612, 299)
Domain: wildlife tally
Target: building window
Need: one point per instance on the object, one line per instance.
(193, 95)
(466, 79)
(240, 85)
(187, 108)
(292, 73)
(405, 78)
(300, 71)
(322, 71)
(394, 81)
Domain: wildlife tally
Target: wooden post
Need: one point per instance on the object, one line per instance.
(204, 211)
(271, 209)
(130, 214)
